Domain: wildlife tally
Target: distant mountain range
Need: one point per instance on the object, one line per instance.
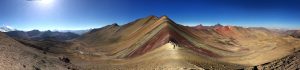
(42, 35)
(79, 32)
(36, 35)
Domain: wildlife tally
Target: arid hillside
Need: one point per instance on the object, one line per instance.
(16, 56)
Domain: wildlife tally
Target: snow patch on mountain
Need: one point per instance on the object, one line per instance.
(6, 29)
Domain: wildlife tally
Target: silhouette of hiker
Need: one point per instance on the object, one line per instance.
(174, 47)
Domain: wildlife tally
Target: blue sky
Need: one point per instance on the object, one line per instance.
(85, 14)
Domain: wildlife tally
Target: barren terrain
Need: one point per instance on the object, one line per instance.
(156, 43)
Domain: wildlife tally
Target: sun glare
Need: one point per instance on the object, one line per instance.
(46, 2)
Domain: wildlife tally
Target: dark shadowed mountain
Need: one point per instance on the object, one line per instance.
(294, 33)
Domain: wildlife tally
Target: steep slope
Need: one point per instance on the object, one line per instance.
(222, 46)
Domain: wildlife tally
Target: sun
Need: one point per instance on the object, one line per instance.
(46, 2)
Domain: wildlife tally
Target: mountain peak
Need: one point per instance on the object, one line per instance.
(218, 25)
(152, 16)
(115, 24)
(164, 18)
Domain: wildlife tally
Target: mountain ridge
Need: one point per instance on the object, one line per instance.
(222, 43)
